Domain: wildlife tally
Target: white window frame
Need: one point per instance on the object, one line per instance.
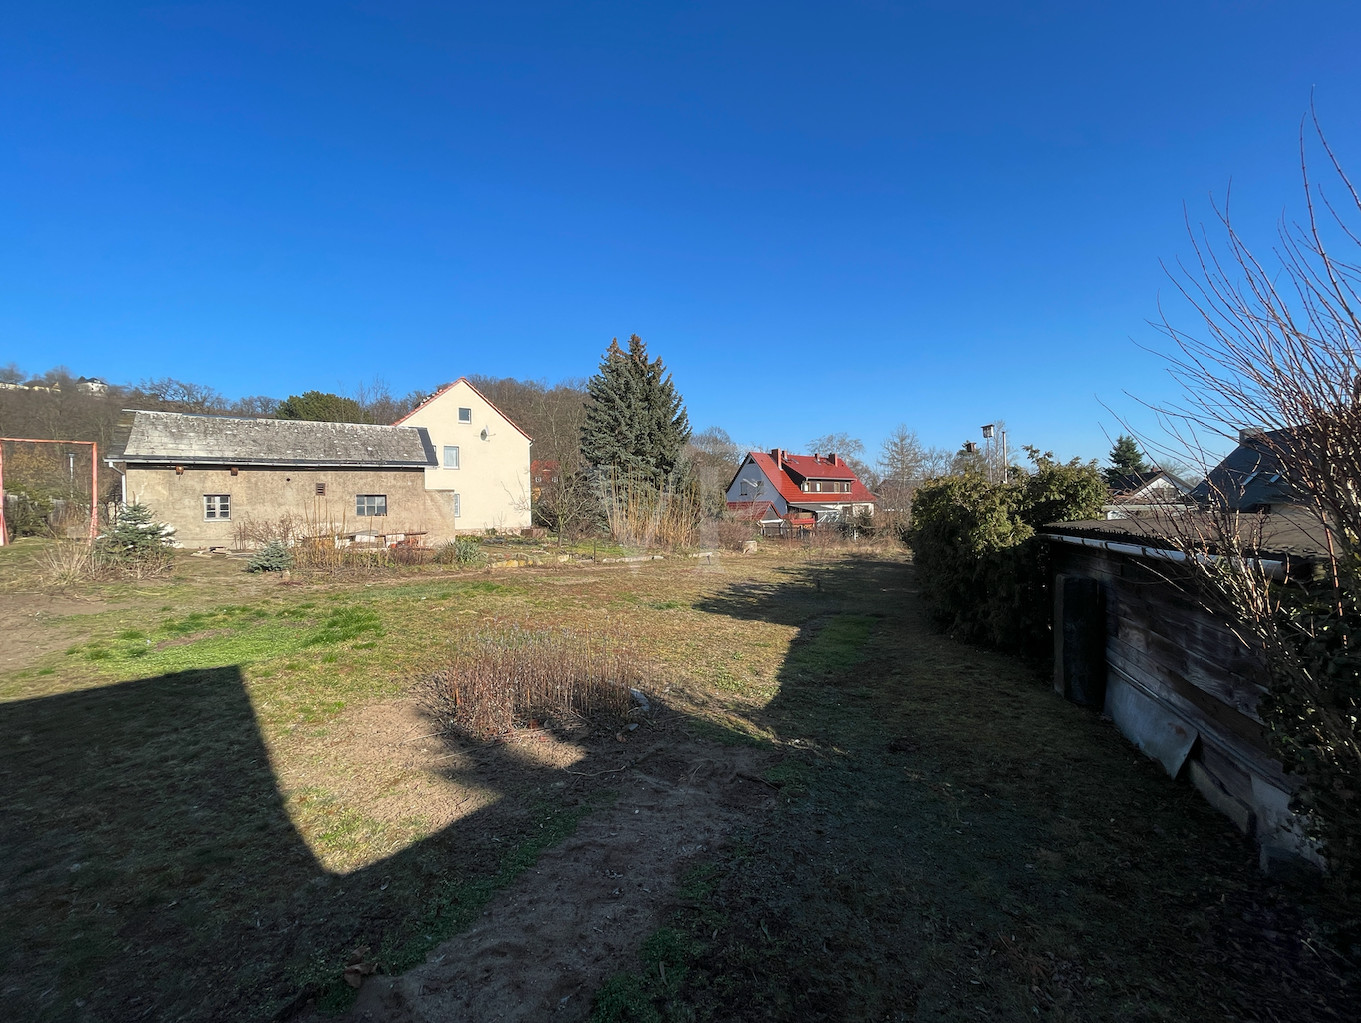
(448, 448)
(465, 415)
(217, 507)
(362, 502)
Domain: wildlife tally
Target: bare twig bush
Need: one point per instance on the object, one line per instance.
(249, 533)
(1278, 346)
(730, 533)
(510, 676)
(67, 563)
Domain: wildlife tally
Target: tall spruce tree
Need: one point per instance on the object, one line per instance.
(635, 420)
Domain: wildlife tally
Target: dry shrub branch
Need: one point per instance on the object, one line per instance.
(510, 675)
(1277, 345)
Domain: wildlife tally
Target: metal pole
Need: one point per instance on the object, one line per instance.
(1005, 467)
(4, 530)
(94, 490)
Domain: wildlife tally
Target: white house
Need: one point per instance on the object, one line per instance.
(482, 458)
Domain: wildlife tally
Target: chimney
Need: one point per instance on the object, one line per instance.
(832, 459)
(1248, 433)
(778, 455)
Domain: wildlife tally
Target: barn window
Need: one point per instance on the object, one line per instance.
(451, 456)
(370, 504)
(217, 507)
(465, 415)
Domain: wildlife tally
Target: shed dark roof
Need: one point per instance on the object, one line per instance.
(1294, 532)
(164, 438)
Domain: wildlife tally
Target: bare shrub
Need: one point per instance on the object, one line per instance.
(410, 554)
(1276, 346)
(249, 533)
(510, 675)
(729, 533)
(69, 562)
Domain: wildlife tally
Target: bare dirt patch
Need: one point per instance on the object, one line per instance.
(26, 632)
(543, 947)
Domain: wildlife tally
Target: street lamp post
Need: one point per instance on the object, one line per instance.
(989, 431)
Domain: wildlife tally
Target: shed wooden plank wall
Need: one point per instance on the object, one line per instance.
(1176, 660)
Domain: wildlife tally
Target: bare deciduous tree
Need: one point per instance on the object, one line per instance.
(850, 449)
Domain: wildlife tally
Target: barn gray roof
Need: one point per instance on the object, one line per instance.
(166, 438)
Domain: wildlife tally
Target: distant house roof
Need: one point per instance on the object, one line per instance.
(1136, 487)
(1251, 476)
(174, 438)
(789, 472)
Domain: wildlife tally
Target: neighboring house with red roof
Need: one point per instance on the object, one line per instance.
(802, 490)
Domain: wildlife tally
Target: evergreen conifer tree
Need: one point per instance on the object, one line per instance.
(1126, 459)
(635, 420)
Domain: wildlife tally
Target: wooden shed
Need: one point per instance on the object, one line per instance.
(1175, 679)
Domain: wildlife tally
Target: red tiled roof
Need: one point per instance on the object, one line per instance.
(754, 510)
(798, 468)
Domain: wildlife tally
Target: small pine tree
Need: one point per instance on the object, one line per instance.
(635, 421)
(1126, 460)
(137, 543)
(272, 557)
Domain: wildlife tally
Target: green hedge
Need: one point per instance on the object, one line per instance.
(982, 572)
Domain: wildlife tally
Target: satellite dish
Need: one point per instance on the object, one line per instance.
(485, 433)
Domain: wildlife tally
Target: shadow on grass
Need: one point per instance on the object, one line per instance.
(151, 870)
(955, 841)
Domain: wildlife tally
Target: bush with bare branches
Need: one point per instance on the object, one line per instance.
(510, 675)
(1278, 345)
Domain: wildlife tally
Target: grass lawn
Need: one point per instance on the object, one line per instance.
(216, 787)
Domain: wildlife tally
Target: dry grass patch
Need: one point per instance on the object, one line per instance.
(512, 675)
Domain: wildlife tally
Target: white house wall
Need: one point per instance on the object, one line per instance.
(492, 478)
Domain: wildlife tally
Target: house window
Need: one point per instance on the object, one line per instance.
(458, 506)
(451, 456)
(370, 504)
(465, 415)
(217, 507)
(321, 489)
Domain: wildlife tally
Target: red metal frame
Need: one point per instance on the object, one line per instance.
(94, 480)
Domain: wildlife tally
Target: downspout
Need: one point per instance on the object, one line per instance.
(122, 483)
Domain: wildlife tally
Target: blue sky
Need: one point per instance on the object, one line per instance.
(824, 217)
